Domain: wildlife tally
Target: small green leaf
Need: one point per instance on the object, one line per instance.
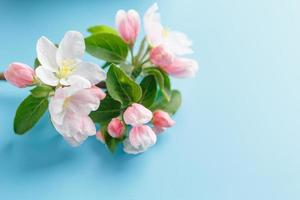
(29, 113)
(108, 109)
(102, 29)
(169, 106)
(41, 91)
(162, 79)
(36, 63)
(149, 88)
(121, 87)
(107, 46)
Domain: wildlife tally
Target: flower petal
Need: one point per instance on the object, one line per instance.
(46, 76)
(137, 114)
(46, 53)
(71, 48)
(76, 83)
(91, 72)
(153, 27)
(178, 43)
(128, 148)
(83, 102)
(182, 68)
(142, 136)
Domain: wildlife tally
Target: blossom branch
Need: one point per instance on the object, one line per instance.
(2, 78)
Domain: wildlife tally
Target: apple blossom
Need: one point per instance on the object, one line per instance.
(128, 25)
(116, 128)
(58, 65)
(19, 74)
(70, 108)
(137, 114)
(140, 139)
(177, 42)
(167, 46)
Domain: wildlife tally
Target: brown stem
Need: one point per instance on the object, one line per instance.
(100, 85)
(2, 78)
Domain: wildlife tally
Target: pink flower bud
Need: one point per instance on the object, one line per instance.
(116, 128)
(137, 114)
(100, 137)
(128, 25)
(161, 57)
(142, 137)
(98, 92)
(19, 74)
(161, 120)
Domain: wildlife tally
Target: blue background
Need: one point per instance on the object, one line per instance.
(237, 132)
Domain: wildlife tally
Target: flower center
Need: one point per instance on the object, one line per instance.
(66, 102)
(166, 33)
(66, 69)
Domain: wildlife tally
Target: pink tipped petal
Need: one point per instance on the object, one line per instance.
(71, 48)
(83, 102)
(137, 114)
(182, 68)
(128, 25)
(98, 92)
(19, 74)
(116, 128)
(88, 126)
(162, 119)
(142, 137)
(46, 53)
(161, 57)
(46, 76)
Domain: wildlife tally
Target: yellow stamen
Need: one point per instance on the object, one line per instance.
(65, 69)
(166, 33)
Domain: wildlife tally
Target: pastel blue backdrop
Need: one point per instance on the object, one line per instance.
(237, 133)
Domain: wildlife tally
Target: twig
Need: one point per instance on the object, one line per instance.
(2, 78)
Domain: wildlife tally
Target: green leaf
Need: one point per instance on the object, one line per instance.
(162, 79)
(29, 113)
(149, 88)
(41, 91)
(111, 143)
(121, 87)
(108, 109)
(169, 106)
(102, 29)
(36, 63)
(107, 46)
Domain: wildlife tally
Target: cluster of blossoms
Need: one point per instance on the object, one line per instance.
(132, 101)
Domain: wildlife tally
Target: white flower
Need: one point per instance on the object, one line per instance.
(60, 64)
(70, 108)
(175, 41)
